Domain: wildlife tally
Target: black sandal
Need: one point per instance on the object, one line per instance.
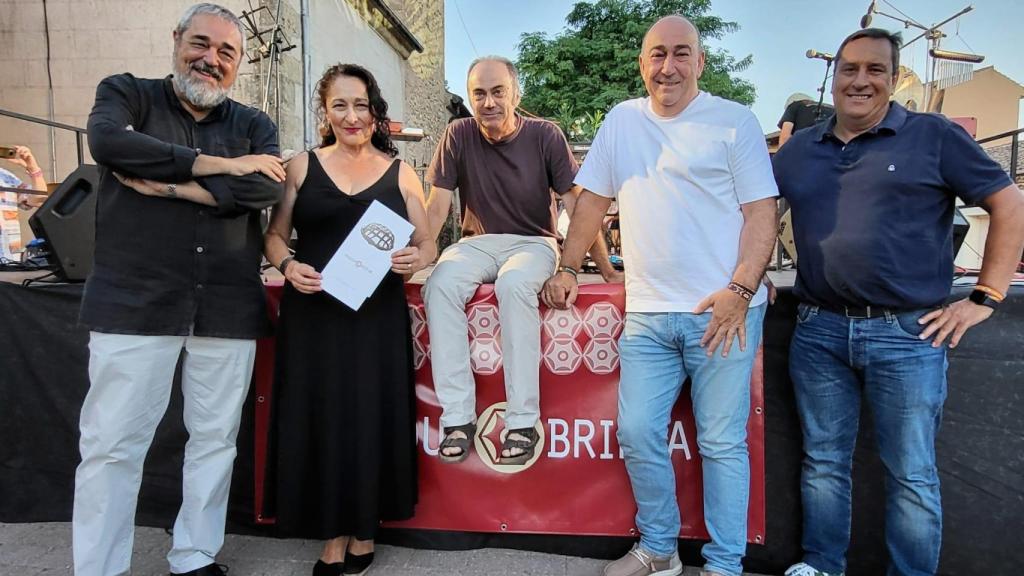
(462, 444)
(528, 446)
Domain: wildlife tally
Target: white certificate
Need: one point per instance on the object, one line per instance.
(364, 258)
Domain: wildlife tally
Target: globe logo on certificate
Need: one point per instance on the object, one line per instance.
(378, 236)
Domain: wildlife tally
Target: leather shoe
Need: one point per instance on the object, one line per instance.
(357, 564)
(322, 568)
(208, 570)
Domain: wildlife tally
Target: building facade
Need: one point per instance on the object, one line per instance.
(52, 57)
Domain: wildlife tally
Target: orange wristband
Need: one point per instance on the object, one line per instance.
(995, 294)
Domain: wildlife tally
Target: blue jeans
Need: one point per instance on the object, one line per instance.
(834, 361)
(658, 352)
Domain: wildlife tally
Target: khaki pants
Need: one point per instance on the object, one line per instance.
(518, 267)
(129, 388)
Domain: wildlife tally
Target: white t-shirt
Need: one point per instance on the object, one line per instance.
(679, 182)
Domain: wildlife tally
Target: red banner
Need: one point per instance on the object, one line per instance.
(577, 483)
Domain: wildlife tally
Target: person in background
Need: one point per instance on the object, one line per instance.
(801, 112)
(24, 159)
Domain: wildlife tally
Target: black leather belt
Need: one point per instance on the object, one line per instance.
(862, 312)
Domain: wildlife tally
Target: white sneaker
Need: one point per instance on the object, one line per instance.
(803, 569)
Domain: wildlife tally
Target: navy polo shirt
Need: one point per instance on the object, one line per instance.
(873, 218)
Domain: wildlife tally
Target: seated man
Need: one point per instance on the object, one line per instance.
(505, 167)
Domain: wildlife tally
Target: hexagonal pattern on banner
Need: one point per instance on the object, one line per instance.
(602, 320)
(602, 355)
(485, 355)
(562, 324)
(562, 356)
(417, 320)
(483, 321)
(420, 353)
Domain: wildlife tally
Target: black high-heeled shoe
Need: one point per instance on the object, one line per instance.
(322, 568)
(357, 564)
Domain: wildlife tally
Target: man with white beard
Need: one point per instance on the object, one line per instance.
(184, 173)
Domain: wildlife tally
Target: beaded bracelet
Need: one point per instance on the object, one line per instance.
(741, 291)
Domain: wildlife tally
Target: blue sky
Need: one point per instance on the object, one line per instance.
(777, 33)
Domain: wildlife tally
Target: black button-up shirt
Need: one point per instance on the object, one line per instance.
(169, 266)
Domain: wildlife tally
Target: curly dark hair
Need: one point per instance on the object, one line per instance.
(381, 138)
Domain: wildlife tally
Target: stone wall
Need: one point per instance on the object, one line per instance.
(91, 39)
(253, 83)
(425, 93)
(88, 40)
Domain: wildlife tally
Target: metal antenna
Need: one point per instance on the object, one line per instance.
(934, 36)
(271, 42)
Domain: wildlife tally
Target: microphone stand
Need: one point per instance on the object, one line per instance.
(821, 92)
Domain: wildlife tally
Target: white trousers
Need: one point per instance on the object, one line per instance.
(130, 386)
(518, 266)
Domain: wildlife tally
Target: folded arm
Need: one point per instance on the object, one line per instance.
(148, 165)
(113, 141)
(189, 191)
(246, 183)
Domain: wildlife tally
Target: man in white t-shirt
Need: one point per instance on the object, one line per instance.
(697, 208)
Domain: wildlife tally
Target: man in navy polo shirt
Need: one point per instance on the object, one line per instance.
(872, 192)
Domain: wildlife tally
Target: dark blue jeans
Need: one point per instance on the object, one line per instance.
(834, 362)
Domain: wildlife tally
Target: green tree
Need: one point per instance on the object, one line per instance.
(592, 65)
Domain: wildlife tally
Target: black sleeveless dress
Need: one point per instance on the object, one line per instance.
(341, 453)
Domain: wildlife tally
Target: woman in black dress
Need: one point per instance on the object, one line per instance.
(342, 453)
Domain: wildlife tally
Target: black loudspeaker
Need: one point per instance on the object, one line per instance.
(960, 227)
(67, 221)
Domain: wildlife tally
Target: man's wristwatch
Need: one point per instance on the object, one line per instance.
(284, 263)
(983, 298)
(171, 191)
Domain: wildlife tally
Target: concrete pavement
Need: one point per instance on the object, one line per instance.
(45, 549)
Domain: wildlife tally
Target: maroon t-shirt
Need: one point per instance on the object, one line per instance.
(505, 188)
